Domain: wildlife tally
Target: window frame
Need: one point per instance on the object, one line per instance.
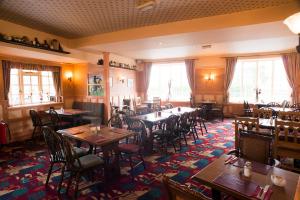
(22, 102)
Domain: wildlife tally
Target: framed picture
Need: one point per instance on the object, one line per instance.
(130, 83)
(95, 85)
(110, 82)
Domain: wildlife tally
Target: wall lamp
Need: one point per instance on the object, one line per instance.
(209, 77)
(69, 76)
(122, 80)
(293, 22)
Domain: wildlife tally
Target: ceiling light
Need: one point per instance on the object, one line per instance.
(145, 5)
(293, 22)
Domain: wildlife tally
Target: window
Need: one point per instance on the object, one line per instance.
(169, 81)
(260, 80)
(30, 87)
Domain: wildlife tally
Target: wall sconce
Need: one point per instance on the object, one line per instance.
(69, 76)
(122, 80)
(293, 22)
(209, 77)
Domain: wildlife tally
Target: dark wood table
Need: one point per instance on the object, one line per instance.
(107, 138)
(207, 176)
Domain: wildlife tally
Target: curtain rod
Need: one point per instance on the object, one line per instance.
(259, 55)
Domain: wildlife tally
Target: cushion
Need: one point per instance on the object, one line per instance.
(129, 148)
(80, 152)
(89, 161)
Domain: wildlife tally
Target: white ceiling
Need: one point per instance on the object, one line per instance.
(267, 37)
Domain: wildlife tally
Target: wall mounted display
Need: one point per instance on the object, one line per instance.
(130, 83)
(122, 65)
(95, 85)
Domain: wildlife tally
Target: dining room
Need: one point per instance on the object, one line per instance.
(150, 99)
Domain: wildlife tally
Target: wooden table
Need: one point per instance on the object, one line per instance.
(279, 109)
(207, 175)
(107, 138)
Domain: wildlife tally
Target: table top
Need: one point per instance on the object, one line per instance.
(212, 171)
(182, 110)
(70, 112)
(87, 133)
(266, 123)
(277, 109)
(153, 117)
(149, 102)
(206, 102)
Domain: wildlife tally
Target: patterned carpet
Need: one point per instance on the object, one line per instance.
(24, 174)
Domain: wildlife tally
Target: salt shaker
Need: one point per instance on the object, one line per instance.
(247, 169)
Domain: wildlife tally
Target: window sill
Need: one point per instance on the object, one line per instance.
(35, 105)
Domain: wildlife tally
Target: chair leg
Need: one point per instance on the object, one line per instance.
(77, 177)
(49, 173)
(69, 182)
(131, 166)
(184, 136)
(33, 133)
(142, 159)
(62, 178)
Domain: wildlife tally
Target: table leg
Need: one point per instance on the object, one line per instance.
(216, 194)
(112, 169)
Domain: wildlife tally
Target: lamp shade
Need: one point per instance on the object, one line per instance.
(293, 22)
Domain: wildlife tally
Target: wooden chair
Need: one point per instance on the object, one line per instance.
(248, 112)
(38, 122)
(289, 116)
(136, 145)
(56, 156)
(260, 153)
(5, 136)
(217, 111)
(176, 191)
(200, 118)
(57, 122)
(168, 133)
(156, 104)
(185, 127)
(80, 166)
(287, 139)
(168, 106)
(115, 121)
(263, 112)
(244, 123)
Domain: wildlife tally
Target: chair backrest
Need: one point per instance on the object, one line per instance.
(55, 145)
(171, 123)
(35, 118)
(5, 135)
(287, 137)
(273, 104)
(168, 106)
(183, 121)
(140, 129)
(263, 112)
(138, 101)
(157, 101)
(261, 152)
(246, 123)
(289, 116)
(70, 155)
(55, 119)
(177, 191)
(115, 121)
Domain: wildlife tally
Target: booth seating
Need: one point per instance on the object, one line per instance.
(95, 115)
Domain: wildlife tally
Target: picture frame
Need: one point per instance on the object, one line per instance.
(130, 83)
(96, 85)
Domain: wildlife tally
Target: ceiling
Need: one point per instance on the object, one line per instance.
(237, 40)
(78, 18)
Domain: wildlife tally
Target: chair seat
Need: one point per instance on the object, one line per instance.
(89, 161)
(80, 152)
(129, 148)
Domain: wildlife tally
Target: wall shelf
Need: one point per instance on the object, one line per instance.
(32, 46)
(122, 67)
